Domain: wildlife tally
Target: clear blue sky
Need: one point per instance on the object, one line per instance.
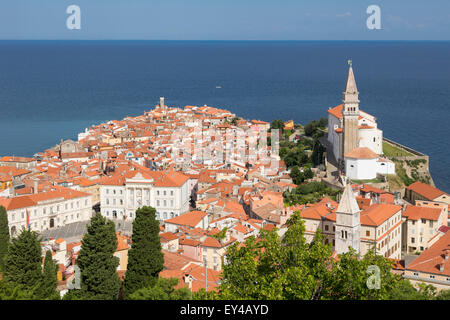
(226, 19)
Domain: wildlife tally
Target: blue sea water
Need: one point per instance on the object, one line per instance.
(54, 89)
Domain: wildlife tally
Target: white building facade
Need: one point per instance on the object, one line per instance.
(47, 210)
(121, 199)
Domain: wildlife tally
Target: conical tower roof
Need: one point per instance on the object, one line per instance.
(350, 87)
(348, 202)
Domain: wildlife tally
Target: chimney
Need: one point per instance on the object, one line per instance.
(35, 186)
(441, 266)
(447, 253)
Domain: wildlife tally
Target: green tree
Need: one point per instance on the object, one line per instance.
(443, 295)
(49, 280)
(4, 237)
(351, 274)
(97, 263)
(162, 289)
(24, 262)
(275, 268)
(291, 268)
(317, 154)
(404, 290)
(9, 291)
(277, 124)
(145, 258)
(296, 175)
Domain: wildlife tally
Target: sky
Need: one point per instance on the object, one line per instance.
(225, 20)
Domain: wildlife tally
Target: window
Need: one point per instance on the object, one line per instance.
(157, 203)
(412, 240)
(326, 227)
(431, 276)
(164, 192)
(157, 192)
(431, 224)
(171, 193)
(424, 221)
(368, 233)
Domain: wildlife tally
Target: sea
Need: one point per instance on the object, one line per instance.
(52, 90)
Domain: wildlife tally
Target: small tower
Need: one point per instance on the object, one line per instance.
(161, 103)
(350, 115)
(348, 223)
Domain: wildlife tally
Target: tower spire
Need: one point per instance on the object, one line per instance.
(350, 87)
(348, 223)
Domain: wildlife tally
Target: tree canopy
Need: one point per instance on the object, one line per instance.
(97, 263)
(145, 258)
(4, 237)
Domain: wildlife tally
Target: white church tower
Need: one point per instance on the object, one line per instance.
(348, 223)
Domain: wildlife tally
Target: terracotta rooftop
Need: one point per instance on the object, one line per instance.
(190, 219)
(361, 153)
(425, 190)
(429, 261)
(416, 213)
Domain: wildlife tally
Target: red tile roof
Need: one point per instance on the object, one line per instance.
(429, 261)
(425, 190)
(416, 213)
(190, 219)
(361, 153)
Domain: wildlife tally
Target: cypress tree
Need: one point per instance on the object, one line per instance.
(49, 279)
(145, 258)
(23, 263)
(97, 263)
(4, 237)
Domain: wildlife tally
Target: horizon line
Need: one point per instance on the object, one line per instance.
(244, 40)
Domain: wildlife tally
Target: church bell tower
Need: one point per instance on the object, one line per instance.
(350, 115)
(348, 223)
